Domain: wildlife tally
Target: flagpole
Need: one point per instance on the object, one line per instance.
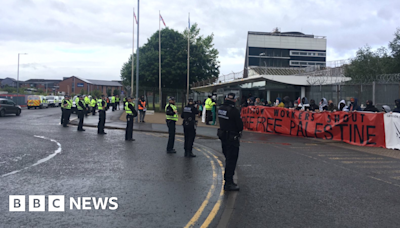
(137, 60)
(159, 61)
(187, 86)
(133, 49)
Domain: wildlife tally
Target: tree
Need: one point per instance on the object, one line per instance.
(203, 59)
(108, 92)
(82, 92)
(116, 92)
(95, 93)
(394, 46)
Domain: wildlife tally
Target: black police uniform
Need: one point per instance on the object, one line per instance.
(189, 128)
(129, 123)
(102, 119)
(66, 114)
(62, 113)
(81, 115)
(231, 126)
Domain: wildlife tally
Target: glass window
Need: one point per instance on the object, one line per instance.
(295, 53)
(321, 54)
(303, 63)
(303, 53)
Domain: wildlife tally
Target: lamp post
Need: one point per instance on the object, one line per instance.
(18, 72)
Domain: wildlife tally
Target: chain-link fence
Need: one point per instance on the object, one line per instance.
(380, 89)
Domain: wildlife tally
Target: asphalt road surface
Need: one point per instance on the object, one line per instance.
(284, 181)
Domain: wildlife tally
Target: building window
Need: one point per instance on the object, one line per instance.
(307, 53)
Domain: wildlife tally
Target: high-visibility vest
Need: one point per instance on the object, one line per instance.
(117, 99)
(78, 106)
(112, 99)
(93, 103)
(143, 105)
(62, 103)
(209, 104)
(171, 117)
(99, 104)
(76, 101)
(87, 100)
(127, 109)
(69, 104)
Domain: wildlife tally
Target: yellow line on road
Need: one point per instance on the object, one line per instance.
(217, 205)
(197, 215)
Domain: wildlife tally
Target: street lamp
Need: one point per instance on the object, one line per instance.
(18, 72)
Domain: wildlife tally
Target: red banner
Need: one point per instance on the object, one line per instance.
(358, 128)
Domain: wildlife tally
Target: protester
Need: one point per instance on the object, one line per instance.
(279, 103)
(370, 107)
(386, 109)
(353, 105)
(258, 102)
(342, 105)
(323, 106)
(313, 107)
(331, 106)
(397, 108)
(287, 102)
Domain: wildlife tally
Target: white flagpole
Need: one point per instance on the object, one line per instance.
(133, 49)
(187, 86)
(159, 60)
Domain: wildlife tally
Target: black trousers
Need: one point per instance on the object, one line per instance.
(67, 115)
(102, 121)
(129, 127)
(81, 116)
(171, 133)
(208, 116)
(190, 134)
(231, 151)
(87, 111)
(62, 116)
(94, 110)
(113, 106)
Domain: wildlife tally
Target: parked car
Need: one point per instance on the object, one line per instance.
(37, 101)
(9, 107)
(52, 100)
(60, 98)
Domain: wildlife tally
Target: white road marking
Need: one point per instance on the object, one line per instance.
(41, 160)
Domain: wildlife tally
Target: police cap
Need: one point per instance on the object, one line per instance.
(171, 98)
(190, 100)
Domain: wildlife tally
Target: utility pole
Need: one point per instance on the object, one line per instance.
(159, 61)
(188, 63)
(137, 59)
(133, 50)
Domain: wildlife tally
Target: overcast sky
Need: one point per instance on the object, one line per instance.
(93, 38)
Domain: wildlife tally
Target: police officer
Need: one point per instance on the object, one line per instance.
(113, 103)
(62, 109)
(231, 126)
(93, 104)
(67, 105)
(189, 127)
(81, 107)
(87, 104)
(117, 102)
(130, 115)
(171, 118)
(101, 106)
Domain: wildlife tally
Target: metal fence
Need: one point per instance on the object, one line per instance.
(381, 89)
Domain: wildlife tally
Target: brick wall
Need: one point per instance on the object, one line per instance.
(67, 85)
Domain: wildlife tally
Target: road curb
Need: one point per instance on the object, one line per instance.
(138, 130)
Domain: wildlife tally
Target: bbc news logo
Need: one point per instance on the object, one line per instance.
(56, 203)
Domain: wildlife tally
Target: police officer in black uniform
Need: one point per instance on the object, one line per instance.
(102, 116)
(81, 112)
(131, 113)
(189, 127)
(231, 127)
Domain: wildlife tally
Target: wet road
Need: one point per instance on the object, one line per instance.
(285, 181)
(154, 189)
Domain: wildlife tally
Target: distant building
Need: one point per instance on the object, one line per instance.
(49, 85)
(11, 82)
(284, 49)
(74, 85)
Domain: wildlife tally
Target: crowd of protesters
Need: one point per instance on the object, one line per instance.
(324, 105)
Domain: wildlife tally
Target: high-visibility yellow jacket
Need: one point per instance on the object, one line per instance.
(209, 104)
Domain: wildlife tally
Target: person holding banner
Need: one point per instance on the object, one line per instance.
(231, 127)
(397, 109)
